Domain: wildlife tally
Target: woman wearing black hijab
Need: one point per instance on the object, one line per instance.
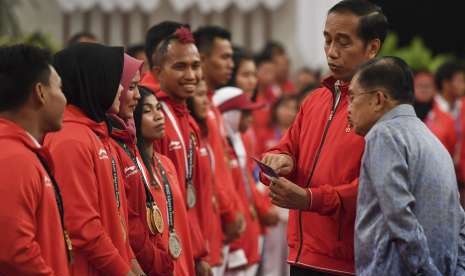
(93, 195)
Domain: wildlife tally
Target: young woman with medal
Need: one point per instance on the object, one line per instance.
(145, 218)
(150, 126)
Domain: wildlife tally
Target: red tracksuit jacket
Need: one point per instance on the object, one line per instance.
(323, 146)
(82, 155)
(248, 241)
(175, 149)
(184, 265)
(208, 209)
(228, 199)
(148, 248)
(32, 241)
(443, 126)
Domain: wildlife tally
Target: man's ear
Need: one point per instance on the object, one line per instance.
(38, 95)
(373, 48)
(380, 99)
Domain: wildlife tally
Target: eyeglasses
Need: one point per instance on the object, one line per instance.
(352, 96)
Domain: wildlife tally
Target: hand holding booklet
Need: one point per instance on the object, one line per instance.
(267, 170)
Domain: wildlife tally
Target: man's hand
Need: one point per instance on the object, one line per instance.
(288, 195)
(282, 164)
(203, 269)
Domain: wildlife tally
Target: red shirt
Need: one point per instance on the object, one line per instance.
(82, 155)
(443, 126)
(323, 236)
(175, 145)
(184, 265)
(208, 209)
(150, 81)
(148, 248)
(247, 192)
(32, 237)
(228, 199)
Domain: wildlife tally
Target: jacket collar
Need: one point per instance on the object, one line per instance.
(400, 110)
(330, 83)
(75, 115)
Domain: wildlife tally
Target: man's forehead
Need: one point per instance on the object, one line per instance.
(341, 24)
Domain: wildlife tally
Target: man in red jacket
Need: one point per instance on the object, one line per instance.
(177, 67)
(33, 239)
(320, 152)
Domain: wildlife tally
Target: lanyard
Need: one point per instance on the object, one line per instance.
(59, 201)
(115, 182)
(168, 194)
(187, 153)
(148, 195)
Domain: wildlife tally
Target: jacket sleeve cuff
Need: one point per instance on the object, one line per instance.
(316, 199)
(309, 199)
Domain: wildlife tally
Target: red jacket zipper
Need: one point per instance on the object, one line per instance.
(337, 99)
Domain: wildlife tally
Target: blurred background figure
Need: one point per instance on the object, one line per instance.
(278, 54)
(306, 80)
(439, 122)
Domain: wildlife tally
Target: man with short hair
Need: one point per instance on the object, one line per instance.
(154, 36)
(409, 219)
(215, 48)
(178, 68)
(450, 83)
(33, 240)
(320, 155)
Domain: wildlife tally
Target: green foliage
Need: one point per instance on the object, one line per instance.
(416, 54)
(37, 39)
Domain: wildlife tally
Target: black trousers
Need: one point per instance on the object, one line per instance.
(300, 271)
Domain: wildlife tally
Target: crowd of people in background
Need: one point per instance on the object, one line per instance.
(140, 160)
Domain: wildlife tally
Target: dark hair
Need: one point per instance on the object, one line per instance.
(181, 35)
(138, 113)
(389, 73)
(78, 36)
(263, 57)
(281, 100)
(21, 67)
(274, 48)
(239, 55)
(447, 71)
(132, 50)
(156, 34)
(372, 23)
(205, 37)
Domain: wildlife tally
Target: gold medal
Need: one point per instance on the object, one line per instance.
(191, 196)
(174, 245)
(157, 219)
(253, 212)
(150, 222)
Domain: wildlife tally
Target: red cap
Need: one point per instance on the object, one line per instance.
(233, 98)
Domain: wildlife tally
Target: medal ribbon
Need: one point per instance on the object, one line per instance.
(148, 195)
(59, 201)
(169, 195)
